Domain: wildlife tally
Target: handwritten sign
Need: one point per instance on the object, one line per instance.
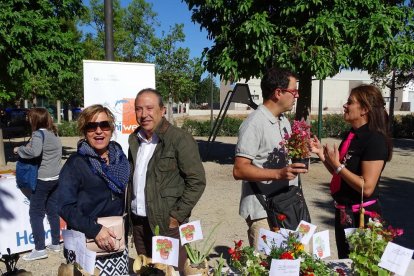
(396, 258)
(284, 267)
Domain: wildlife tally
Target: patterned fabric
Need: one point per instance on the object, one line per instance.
(116, 174)
(115, 264)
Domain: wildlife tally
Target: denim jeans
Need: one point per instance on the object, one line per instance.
(44, 201)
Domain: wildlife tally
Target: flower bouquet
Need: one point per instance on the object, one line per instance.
(297, 144)
(368, 244)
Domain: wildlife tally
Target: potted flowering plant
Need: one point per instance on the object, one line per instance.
(368, 244)
(247, 261)
(197, 253)
(291, 249)
(297, 144)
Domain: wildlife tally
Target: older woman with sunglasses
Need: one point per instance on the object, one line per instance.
(92, 185)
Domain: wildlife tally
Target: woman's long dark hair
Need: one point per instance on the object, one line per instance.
(370, 98)
(39, 117)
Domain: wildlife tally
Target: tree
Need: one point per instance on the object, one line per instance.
(313, 38)
(173, 73)
(133, 30)
(203, 95)
(39, 49)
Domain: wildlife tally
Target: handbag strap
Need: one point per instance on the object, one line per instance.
(258, 195)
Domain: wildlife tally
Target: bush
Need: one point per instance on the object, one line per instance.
(68, 129)
(404, 126)
(333, 125)
(229, 127)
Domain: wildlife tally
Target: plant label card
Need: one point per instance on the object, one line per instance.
(71, 238)
(396, 258)
(285, 232)
(190, 232)
(284, 267)
(349, 231)
(321, 247)
(85, 257)
(268, 239)
(306, 230)
(165, 250)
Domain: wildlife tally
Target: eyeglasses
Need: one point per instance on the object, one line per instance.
(103, 125)
(294, 92)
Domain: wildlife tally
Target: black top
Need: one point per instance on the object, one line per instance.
(366, 146)
(85, 196)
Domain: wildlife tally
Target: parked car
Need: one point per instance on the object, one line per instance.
(14, 123)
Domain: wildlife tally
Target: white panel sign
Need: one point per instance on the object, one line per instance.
(115, 85)
(15, 229)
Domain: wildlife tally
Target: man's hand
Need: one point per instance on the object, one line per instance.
(104, 239)
(173, 223)
(291, 171)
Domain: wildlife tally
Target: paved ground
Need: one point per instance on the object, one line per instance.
(221, 199)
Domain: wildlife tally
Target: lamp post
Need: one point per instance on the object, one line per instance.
(109, 30)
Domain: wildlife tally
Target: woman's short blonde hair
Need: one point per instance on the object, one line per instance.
(91, 112)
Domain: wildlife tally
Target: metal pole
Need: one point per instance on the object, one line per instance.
(320, 110)
(392, 97)
(2, 153)
(211, 103)
(109, 30)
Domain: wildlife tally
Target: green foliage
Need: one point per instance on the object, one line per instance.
(198, 255)
(217, 270)
(367, 246)
(134, 27)
(40, 48)
(203, 94)
(313, 38)
(68, 129)
(333, 125)
(404, 126)
(229, 127)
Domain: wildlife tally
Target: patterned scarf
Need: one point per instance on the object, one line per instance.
(116, 174)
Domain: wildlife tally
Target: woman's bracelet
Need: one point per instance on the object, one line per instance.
(339, 168)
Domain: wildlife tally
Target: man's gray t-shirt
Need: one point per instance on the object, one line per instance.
(259, 140)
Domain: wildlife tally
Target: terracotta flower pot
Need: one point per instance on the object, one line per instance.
(164, 254)
(190, 270)
(189, 237)
(302, 160)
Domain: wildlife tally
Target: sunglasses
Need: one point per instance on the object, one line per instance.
(294, 92)
(103, 125)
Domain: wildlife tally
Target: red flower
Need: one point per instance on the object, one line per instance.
(281, 217)
(238, 244)
(264, 238)
(286, 256)
(340, 271)
(264, 264)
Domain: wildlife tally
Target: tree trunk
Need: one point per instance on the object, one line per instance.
(303, 107)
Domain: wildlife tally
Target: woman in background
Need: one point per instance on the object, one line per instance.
(92, 185)
(358, 163)
(44, 144)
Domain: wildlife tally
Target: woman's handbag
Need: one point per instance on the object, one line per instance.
(117, 225)
(291, 203)
(26, 171)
